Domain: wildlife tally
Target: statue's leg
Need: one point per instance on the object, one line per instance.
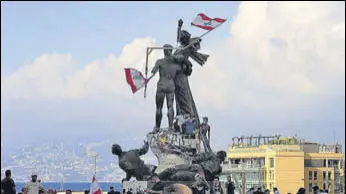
(160, 97)
(170, 112)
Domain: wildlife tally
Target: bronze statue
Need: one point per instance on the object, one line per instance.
(188, 48)
(132, 164)
(167, 68)
(206, 163)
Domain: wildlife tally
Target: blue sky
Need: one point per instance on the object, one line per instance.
(273, 69)
(90, 30)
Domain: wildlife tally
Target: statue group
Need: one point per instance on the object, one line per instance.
(181, 141)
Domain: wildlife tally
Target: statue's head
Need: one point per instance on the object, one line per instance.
(221, 155)
(116, 149)
(205, 120)
(167, 49)
(184, 37)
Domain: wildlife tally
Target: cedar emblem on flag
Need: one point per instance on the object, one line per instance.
(207, 23)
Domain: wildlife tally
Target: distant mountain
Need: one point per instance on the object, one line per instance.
(68, 162)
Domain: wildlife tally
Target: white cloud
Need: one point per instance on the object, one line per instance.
(277, 53)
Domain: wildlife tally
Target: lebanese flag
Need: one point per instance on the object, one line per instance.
(135, 79)
(207, 23)
(95, 187)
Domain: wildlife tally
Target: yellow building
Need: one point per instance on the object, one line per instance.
(286, 163)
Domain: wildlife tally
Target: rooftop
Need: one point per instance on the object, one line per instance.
(276, 142)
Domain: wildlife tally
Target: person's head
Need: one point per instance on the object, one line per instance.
(251, 189)
(68, 191)
(111, 188)
(205, 120)
(184, 37)
(259, 189)
(167, 50)
(34, 177)
(8, 173)
(229, 178)
(301, 191)
(186, 116)
(216, 180)
(116, 149)
(221, 155)
(86, 191)
(315, 189)
(266, 191)
(275, 189)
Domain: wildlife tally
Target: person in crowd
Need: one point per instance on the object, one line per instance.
(216, 189)
(33, 186)
(7, 184)
(200, 186)
(267, 191)
(301, 191)
(276, 190)
(230, 187)
(111, 190)
(259, 191)
(316, 190)
(68, 191)
(86, 191)
(250, 191)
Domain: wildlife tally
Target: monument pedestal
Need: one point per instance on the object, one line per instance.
(171, 148)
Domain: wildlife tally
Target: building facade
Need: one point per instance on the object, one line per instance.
(285, 163)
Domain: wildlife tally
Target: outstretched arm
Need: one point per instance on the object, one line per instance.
(144, 149)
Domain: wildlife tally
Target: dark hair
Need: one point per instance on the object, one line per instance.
(216, 177)
(301, 191)
(69, 190)
(111, 187)
(275, 189)
(315, 188)
(8, 173)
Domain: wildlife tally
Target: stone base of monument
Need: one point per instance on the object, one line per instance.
(171, 148)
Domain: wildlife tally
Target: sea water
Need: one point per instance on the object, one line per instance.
(78, 186)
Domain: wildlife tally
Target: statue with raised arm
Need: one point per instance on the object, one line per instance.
(167, 68)
(188, 49)
(131, 163)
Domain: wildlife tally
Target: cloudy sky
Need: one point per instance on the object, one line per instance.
(275, 67)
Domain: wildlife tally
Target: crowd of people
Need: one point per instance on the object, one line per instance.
(200, 186)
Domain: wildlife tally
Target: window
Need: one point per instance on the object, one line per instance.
(310, 175)
(329, 175)
(315, 175)
(271, 162)
(310, 187)
(324, 186)
(324, 175)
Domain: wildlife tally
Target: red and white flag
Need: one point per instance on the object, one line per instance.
(95, 187)
(135, 79)
(207, 23)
